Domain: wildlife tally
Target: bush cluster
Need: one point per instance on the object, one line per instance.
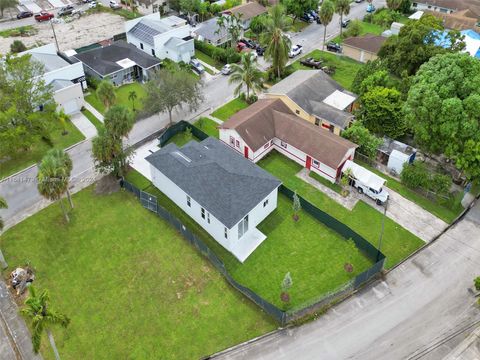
(225, 55)
(416, 176)
(383, 17)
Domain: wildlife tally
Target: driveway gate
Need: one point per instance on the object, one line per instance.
(148, 201)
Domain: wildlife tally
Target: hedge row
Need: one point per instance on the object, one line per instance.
(227, 55)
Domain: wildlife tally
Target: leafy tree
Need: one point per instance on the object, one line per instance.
(3, 205)
(440, 184)
(405, 7)
(365, 71)
(65, 163)
(168, 90)
(17, 46)
(106, 93)
(394, 4)
(52, 180)
(246, 74)
(204, 10)
(132, 96)
(415, 45)
(174, 4)
(189, 6)
(379, 78)
(360, 135)
(415, 175)
(353, 29)
(296, 205)
(278, 45)
(233, 25)
(297, 8)
(342, 7)
(258, 25)
(442, 109)
(39, 310)
(381, 112)
(5, 4)
(326, 15)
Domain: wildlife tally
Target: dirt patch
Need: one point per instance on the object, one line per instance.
(107, 185)
(80, 32)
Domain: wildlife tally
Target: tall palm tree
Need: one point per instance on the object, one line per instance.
(52, 180)
(246, 74)
(326, 14)
(3, 205)
(38, 309)
(278, 44)
(65, 162)
(132, 96)
(106, 93)
(342, 7)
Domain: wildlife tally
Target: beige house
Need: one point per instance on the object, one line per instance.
(363, 48)
(314, 96)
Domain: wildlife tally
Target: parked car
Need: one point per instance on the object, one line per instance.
(114, 5)
(311, 62)
(295, 50)
(24, 14)
(66, 10)
(314, 14)
(197, 66)
(227, 69)
(335, 47)
(250, 43)
(307, 17)
(92, 4)
(241, 46)
(345, 23)
(44, 16)
(260, 50)
(370, 8)
(319, 21)
(359, 1)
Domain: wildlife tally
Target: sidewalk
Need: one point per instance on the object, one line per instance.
(84, 125)
(94, 111)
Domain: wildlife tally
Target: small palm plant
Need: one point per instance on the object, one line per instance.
(296, 206)
(246, 74)
(132, 96)
(39, 311)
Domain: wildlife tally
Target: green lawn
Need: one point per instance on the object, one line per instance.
(223, 113)
(345, 68)
(93, 119)
(28, 29)
(207, 59)
(299, 25)
(447, 211)
(314, 255)
(207, 126)
(335, 187)
(365, 220)
(132, 285)
(24, 159)
(122, 93)
(367, 28)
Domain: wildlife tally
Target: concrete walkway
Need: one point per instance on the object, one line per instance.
(138, 161)
(212, 68)
(84, 125)
(217, 120)
(94, 111)
(404, 212)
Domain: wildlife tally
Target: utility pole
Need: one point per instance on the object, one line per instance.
(381, 232)
(54, 35)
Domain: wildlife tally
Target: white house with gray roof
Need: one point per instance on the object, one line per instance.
(67, 80)
(210, 32)
(226, 194)
(168, 37)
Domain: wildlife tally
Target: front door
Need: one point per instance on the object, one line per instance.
(245, 151)
(308, 163)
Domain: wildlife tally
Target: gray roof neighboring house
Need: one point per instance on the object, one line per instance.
(209, 30)
(222, 181)
(104, 60)
(147, 29)
(369, 43)
(309, 89)
(51, 62)
(60, 84)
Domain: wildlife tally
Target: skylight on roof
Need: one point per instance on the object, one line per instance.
(182, 156)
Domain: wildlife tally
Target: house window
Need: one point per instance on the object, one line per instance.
(283, 144)
(232, 141)
(297, 112)
(265, 203)
(208, 218)
(153, 52)
(141, 46)
(243, 227)
(237, 143)
(203, 213)
(316, 163)
(189, 201)
(332, 128)
(225, 233)
(317, 122)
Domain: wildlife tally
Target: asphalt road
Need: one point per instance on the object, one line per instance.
(420, 311)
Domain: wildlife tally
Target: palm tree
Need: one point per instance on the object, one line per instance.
(342, 7)
(278, 44)
(63, 160)
(106, 93)
(63, 118)
(3, 205)
(53, 180)
(132, 95)
(326, 14)
(394, 4)
(38, 309)
(246, 74)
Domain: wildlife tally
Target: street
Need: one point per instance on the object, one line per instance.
(421, 310)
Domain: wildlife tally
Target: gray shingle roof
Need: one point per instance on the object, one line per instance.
(210, 30)
(104, 60)
(51, 62)
(308, 89)
(222, 181)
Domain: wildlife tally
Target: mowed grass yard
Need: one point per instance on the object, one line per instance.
(397, 242)
(132, 286)
(122, 93)
(313, 254)
(205, 124)
(366, 28)
(232, 107)
(345, 68)
(24, 159)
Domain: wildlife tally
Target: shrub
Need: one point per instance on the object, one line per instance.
(228, 55)
(17, 46)
(385, 17)
(415, 175)
(476, 281)
(440, 184)
(353, 29)
(368, 18)
(92, 82)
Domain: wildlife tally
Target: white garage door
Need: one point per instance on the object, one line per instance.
(71, 107)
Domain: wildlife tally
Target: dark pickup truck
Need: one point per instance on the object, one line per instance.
(311, 62)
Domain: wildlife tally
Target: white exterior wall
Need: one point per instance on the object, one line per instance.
(418, 6)
(225, 135)
(70, 99)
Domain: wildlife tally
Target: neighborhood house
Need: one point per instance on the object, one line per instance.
(120, 63)
(67, 80)
(269, 124)
(210, 32)
(226, 194)
(166, 38)
(316, 97)
(246, 12)
(363, 48)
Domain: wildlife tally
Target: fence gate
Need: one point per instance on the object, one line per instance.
(148, 201)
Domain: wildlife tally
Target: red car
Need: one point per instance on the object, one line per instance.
(44, 16)
(241, 46)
